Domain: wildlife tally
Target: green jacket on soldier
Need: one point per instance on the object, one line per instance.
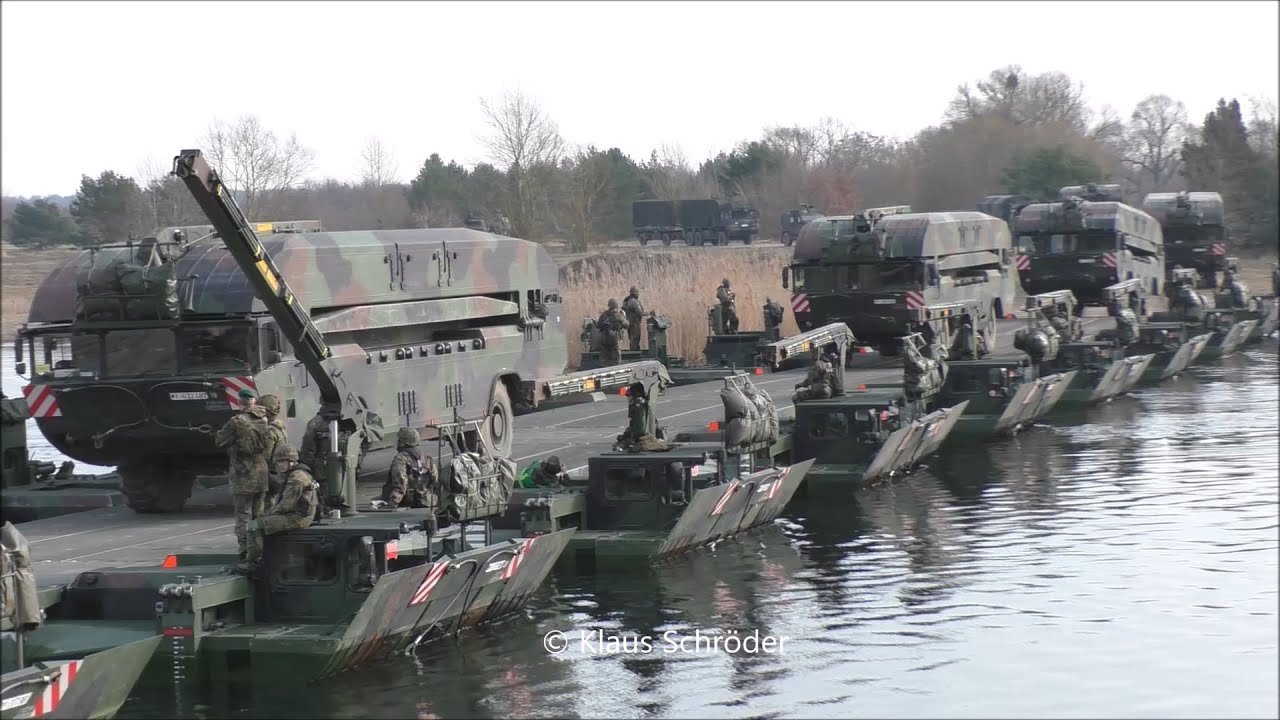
(411, 479)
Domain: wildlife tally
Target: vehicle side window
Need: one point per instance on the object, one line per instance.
(304, 561)
(628, 485)
(829, 425)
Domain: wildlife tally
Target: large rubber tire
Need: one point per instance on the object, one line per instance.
(747, 240)
(722, 238)
(889, 348)
(155, 486)
(666, 240)
(643, 241)
(498, 426)
(787, 239)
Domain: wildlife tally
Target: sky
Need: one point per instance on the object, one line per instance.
(95, 86)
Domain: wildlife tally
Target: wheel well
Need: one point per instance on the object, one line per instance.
(515, 390)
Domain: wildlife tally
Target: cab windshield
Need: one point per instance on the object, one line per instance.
(1067, 244)
(1193, 236)
(146, 352)
(860, 276)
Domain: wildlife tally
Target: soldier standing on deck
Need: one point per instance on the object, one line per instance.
(247, 439)
(635, 316)
(315, 446)
(611, 324)
(728, 308)
(275, 426)
(772, 314)
(411, 479)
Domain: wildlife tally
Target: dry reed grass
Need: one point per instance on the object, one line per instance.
(681, 285)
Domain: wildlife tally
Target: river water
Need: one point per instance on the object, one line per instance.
(1122, 566)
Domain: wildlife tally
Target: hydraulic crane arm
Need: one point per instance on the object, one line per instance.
(268, 283)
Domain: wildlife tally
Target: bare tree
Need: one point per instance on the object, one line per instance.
(1264, 132)
(252, 160)
(378, 164)
(587, 192)
(1018, 98)
(522, 137)
(1153, 139)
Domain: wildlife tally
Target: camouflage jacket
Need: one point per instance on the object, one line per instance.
(314, 452)
(300, 495)
(725, 295)
(611, 324)
(772, 314)
(248, 472)
(633, 309)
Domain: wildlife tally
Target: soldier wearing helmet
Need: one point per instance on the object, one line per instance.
(411, 479)
(542, 473)
(247, 439)
(1233, 294)
(635, 316)
(773, 314)
(728, 308)
(611, 324)
(275, 426)
(294, 508)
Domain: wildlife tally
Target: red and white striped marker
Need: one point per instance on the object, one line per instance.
(41, 402)
(915, 300)
(1218, 249)
(1023, 262)
(233, 385)
(510, 571)
(52, 695)
(1109, 260)
(436, 572)
(799, 303)
(724, 499)
(777, 483)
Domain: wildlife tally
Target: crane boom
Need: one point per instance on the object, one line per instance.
(269, 285)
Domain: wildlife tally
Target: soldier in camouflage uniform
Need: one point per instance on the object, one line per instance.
(542, 473)
(818, 384)
(315, 446)
(635, 316)
(294, 507)
(1233, 294)
(611, 324)
(412, 477)
(275, 425)
(1126, 330)
(728, 308)
(773, 314)
(247, 438)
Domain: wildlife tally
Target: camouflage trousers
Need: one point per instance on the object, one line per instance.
(812, 392)
(633, 333)
(729, 316)
(610, 355)
(248, 507)
(271, 525)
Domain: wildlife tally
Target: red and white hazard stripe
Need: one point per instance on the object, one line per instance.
(915, 300)
(724, 499)
(41, 402)
(1109, 260)
(233, 385)
(777, 483)
(1218, 249)
(52, 695)
(436, 572)
(1023, 262)
(510, 571)
(799, 303)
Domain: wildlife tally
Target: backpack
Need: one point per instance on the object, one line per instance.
(253, 436)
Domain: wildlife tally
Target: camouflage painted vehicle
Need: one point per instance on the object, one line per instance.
(659, 504)
(1230, 328)
(1194, 234)
(744, 223)
(656, 220)
(1102, 370)
(793, 220)
(1170, 342)
(387, 329)
(91, 686)
(35, 489)
(875, 270)
(1084, 245)
(1005, 207)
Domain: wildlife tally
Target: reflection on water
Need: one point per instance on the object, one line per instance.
(1125, 565)
(38, 448)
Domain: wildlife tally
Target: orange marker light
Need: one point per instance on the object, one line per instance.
(759, 371)
(884, 415)
(393, 550)
(622, 391)
(170, 562)
(861, 387)
(714, 426)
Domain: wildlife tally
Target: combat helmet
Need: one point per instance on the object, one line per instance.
(285, 451)
(407, 437)
(635, 290)
(553, 464)
(271, 403)
(613, 304)
(724, 282)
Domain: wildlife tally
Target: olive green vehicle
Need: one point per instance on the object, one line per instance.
(84, 686)
(1194, 233)
(1054, 340)
(875, 270)
(1170, 342)
(1085, 242)
(35, 489)
(1230, 327)
(138, 352)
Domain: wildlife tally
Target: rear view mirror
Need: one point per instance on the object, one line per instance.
(786, 277)
(20, 368)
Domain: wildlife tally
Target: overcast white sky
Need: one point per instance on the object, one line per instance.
(94, 86)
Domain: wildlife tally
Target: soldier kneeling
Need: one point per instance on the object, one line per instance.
(817, 384)
(294, 508)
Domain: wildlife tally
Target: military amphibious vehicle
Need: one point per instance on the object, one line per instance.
(1169, 342)
(92, 685)
(1234, 322)
(1083, 244)
(792, 221)
(652, 498)
(1103, 371)
(1194, 234)
(874, 271)
(138, 352)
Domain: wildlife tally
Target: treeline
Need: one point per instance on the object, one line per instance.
(1012, 132)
